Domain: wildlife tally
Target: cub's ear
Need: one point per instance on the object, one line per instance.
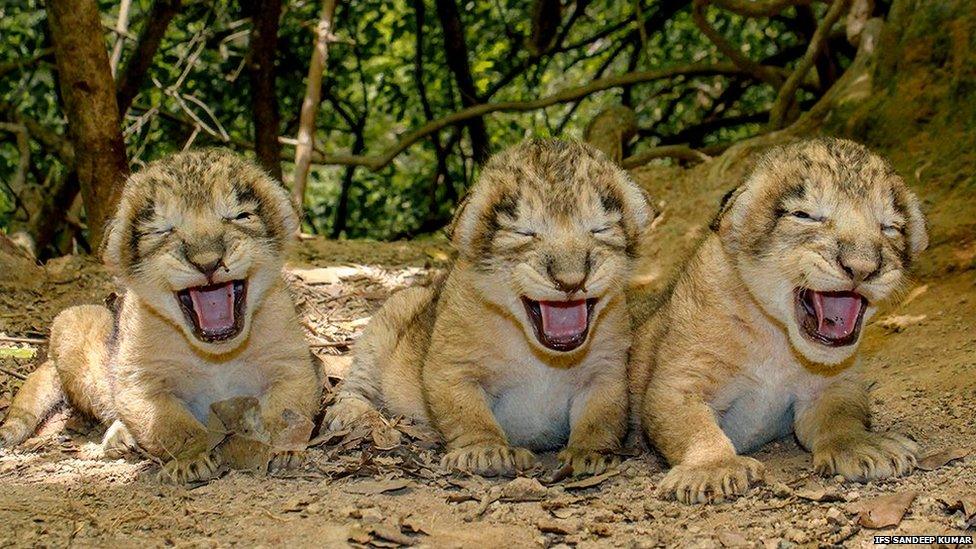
(115, 234)
(469, 219)
(724, 206)
(451, 229)
(637, 205)
(285, 210)
(916, 227)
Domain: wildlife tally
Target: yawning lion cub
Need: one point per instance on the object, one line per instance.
(198, 242)
(759, 335)
(523, 347)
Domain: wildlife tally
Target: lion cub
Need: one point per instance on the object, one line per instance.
(524, 345)
(758, 337)
(198, 243)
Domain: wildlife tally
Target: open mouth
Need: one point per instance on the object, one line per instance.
(830, 318)
(216, 312)
(560, 325)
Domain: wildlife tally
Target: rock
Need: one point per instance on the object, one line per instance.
(558, 526)
(836, 516)
(781, 490)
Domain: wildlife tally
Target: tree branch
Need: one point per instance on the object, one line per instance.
(758, 8)
(760, 72)
(784, 98)
(310, 104)
(680, 152)
(567, 95)
(130, 78)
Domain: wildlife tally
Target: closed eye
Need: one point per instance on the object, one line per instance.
(892, 230)
(524, 232)
(600, 230)
(803, 215)
(242, 216)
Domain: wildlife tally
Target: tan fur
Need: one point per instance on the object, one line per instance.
(145, 373)
(723, 366)
(462, 355)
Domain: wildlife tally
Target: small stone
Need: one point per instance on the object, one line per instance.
(781, 490)
(836, 516)
(797, 536)
(372, 515)
(557, 526)
(853, 495)
(839, 479)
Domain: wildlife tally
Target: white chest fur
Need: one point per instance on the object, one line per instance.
(757, 405)
(205, 384)
(534, 405)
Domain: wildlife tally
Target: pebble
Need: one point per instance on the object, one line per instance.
(781, 490)
(836, 516)
(853, 495)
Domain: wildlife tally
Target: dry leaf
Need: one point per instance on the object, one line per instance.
(293, 434)
(814, 491)
(324, 275)
(898, 323)
(913, 295)
(965, 504)
(410, 523)
(390, 533)
(934, 460)
(385, 437)
(374, 487)
(590, 482)
(884, 511)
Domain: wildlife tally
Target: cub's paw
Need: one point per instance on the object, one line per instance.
(202, 468)
(118, 442)
(286, 461)
(587, 462)
(866, 456)
(345, 411)
(489, 460)
(711, 482)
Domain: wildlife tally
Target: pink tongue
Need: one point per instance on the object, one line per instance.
(837, 313)
(563, 319)
(214, 306)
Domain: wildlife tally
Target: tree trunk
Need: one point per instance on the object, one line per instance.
(310, 105)
(90, 104)
(130, 77)
(261, 71)
(49, 218)
(342, 207)
(456, 51)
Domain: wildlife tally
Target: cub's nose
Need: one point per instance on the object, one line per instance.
(859, 267)
(569, 282)
(207, 266)
(207, 258)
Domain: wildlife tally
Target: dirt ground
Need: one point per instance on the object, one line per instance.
(381, 487)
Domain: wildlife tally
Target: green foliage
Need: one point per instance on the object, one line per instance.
(197, 92)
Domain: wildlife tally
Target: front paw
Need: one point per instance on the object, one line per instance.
(201, 468)
(286, 461)
(866, 456)
(345, 412)
(489, 460)
(587, 462)
(711, 482)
